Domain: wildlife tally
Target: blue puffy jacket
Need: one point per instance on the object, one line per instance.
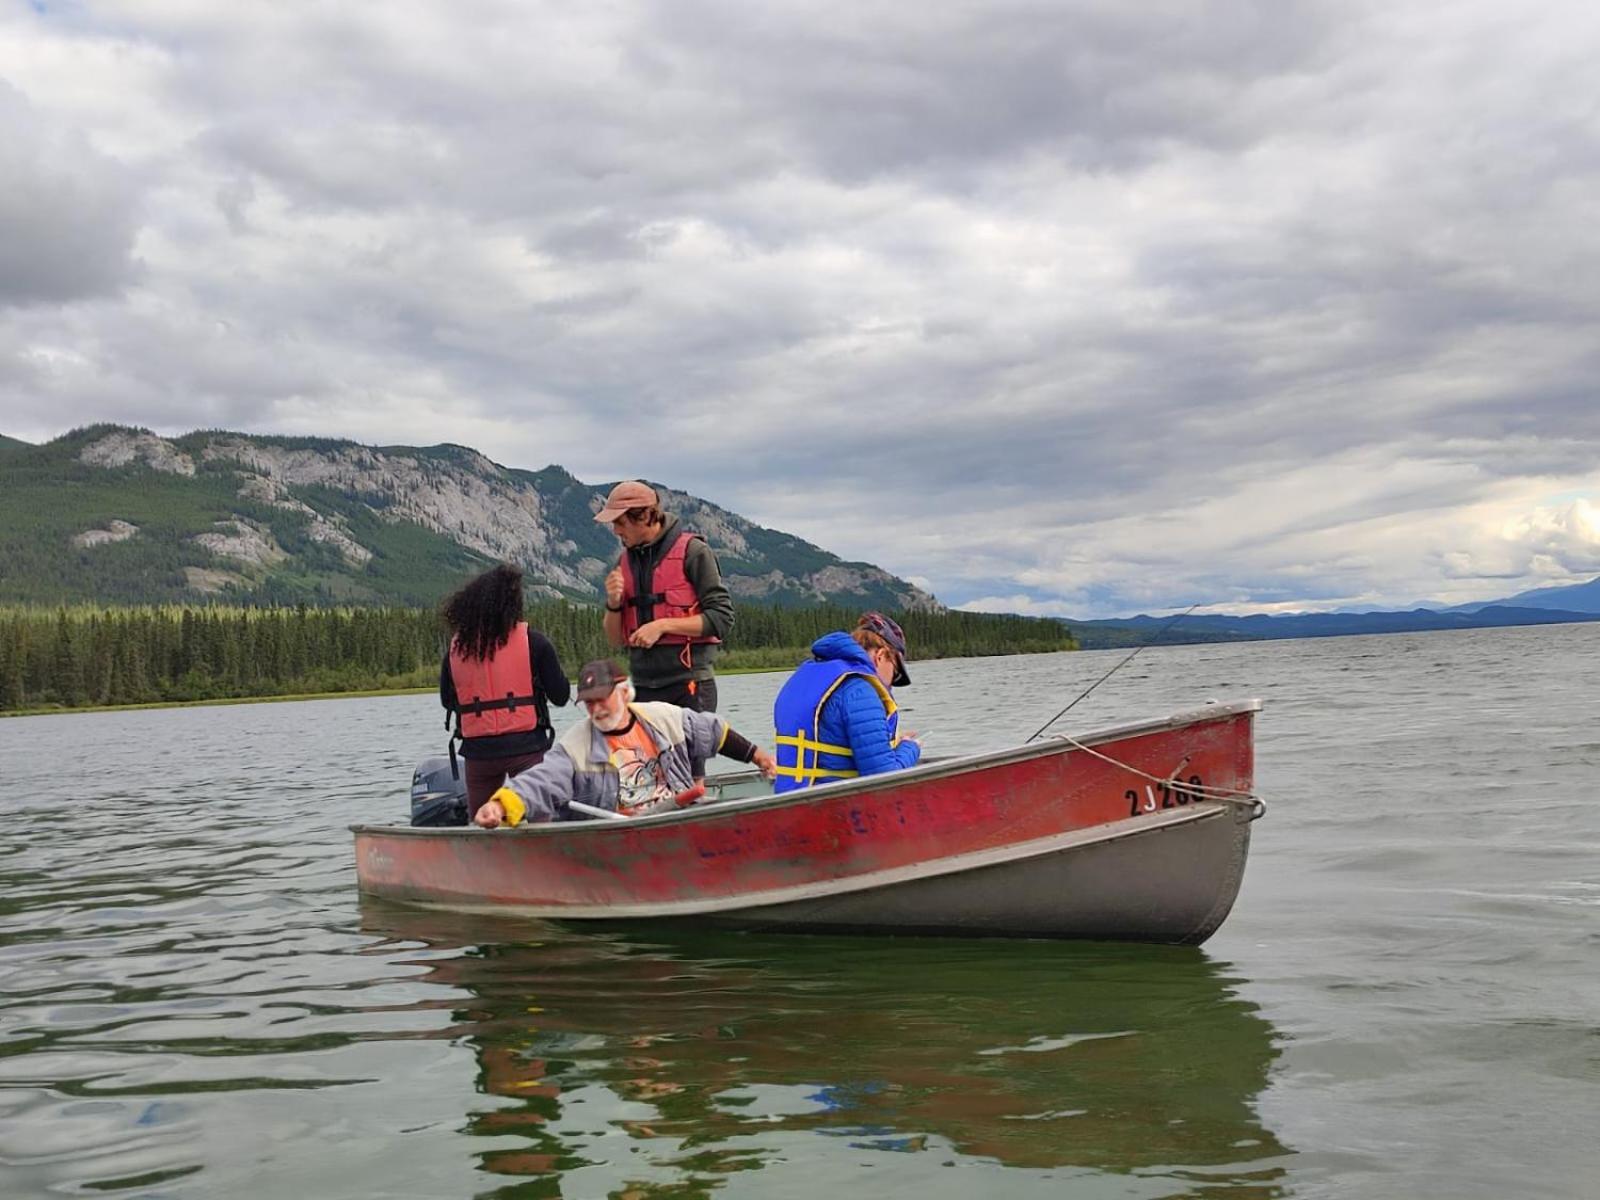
(836, 700)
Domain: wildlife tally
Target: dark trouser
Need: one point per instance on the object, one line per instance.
(698, 694)
(485, 775)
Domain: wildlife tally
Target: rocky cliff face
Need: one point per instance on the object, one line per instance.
(340, 516)
(467, 498)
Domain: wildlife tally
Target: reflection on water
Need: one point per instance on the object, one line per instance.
(673, 1064)
(194, 1004)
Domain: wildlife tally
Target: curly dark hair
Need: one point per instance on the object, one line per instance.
(482, 613)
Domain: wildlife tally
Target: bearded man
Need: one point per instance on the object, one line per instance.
(626, 756)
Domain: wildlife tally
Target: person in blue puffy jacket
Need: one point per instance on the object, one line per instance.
(836, 717)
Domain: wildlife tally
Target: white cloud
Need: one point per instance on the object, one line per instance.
(1083, 307)
(1547, 543)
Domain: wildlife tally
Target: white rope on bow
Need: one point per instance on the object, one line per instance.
(1198, 790)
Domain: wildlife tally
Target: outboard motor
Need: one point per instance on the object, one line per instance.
(438, 795)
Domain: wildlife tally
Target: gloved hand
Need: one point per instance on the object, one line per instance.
(504, 807)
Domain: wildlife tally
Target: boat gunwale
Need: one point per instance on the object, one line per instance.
(930, 772)
(989, 858)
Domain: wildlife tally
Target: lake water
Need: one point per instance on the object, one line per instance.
(194, 1001)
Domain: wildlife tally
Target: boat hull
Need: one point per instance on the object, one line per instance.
(1172, 883)
(1112, 835)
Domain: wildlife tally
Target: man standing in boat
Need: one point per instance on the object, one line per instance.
(665, 600)
(625, 756)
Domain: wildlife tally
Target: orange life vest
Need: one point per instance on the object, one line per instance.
(671, 594)
(497, 694)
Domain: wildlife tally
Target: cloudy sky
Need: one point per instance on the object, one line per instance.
(1080, 307)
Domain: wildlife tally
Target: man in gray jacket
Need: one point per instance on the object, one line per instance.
(626, 756)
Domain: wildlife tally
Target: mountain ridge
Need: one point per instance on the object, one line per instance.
(1267, 627)
(114, 513)
(1571, 597)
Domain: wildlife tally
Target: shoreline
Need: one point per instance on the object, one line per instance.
(60, 710)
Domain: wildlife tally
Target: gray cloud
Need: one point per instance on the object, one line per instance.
(1070, 305)
(66, 212)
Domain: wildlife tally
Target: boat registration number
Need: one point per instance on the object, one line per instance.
(1154, 798)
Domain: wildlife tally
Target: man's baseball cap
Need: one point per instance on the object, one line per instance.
(630, 493)
(597, 679)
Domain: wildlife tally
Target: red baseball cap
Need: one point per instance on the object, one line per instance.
(630, 493)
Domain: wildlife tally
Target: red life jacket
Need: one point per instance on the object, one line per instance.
(497, 694)
(671, 594)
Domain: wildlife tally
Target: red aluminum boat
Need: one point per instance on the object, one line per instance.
(1132, 833)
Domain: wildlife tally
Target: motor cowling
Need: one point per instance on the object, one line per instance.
(438, 794)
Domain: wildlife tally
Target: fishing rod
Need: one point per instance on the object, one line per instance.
(1114, 670)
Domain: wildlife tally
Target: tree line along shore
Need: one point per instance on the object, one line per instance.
(86, 656)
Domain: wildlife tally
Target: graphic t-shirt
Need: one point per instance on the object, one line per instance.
(634, 754)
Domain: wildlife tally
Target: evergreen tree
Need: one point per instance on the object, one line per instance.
(87, 656)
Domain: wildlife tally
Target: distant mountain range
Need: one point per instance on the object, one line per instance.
(1574, 597)
(117, 515)
(1542, 606)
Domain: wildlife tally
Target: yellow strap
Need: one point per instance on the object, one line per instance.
(805, 743)
(815, 773)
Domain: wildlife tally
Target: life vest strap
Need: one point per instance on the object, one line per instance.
(802, 743)
(804, 747)
(815, 773)
(480, 705)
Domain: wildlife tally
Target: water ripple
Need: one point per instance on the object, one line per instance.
(195, 1002)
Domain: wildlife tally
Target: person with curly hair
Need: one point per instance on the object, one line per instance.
(498, 679)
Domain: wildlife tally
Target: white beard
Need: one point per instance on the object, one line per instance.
(610, 722)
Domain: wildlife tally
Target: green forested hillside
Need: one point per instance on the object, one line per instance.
(217, 565)
(83, 656)
(49, 497)
(114, 515)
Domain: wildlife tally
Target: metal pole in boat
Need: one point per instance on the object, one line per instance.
(590, 810)
(1113, 670)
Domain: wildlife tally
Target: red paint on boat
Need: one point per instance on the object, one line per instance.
(723, 855)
